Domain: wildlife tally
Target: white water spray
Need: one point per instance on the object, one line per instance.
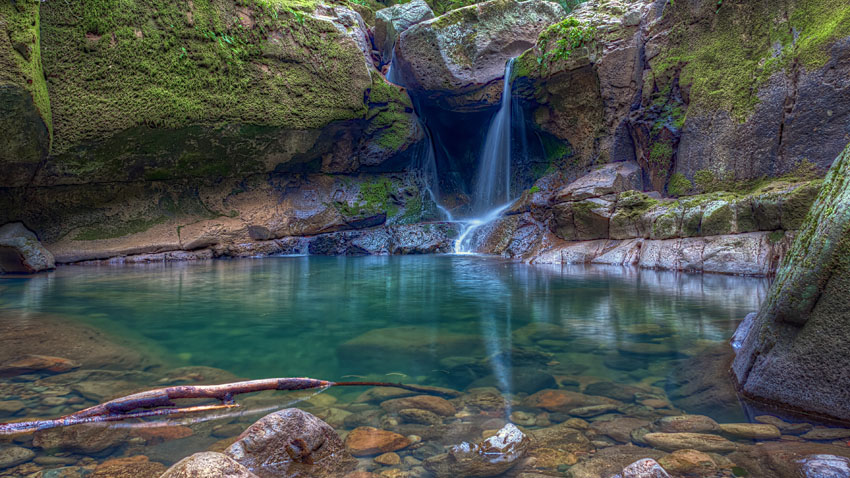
(492, 187)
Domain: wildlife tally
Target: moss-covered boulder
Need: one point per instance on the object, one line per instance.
(794, 351)
(467, 48)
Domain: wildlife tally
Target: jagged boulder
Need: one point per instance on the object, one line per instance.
(393, 21)
(20, 250)
(795, 350)
(468, 47)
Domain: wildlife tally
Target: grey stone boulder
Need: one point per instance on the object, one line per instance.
(468, 47)
(20, 250)
(608, 179)
(291, 442)
(490, 457)
(208, 465)
(646, 468)
(393, 21)
(795, 352)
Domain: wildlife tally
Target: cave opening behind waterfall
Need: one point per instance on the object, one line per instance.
(458, 135)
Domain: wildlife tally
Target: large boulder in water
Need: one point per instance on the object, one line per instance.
(208, 465)
(467, 48)
(20, 250)
(393, 21)
(291, 442)
(795, 351)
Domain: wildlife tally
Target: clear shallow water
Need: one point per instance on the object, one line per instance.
(292, 316)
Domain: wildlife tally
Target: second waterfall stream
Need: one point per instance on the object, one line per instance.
(491, 192)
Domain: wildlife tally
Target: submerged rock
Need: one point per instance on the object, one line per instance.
(611, 460)
(20, 250)
(291, 442)
(131, 467)
(757, 431)
(14, 455)
(367, 441)
(83, 439)
(491, 457)
(825, 466)
(646, 468)
(208, 465)
(689, 463)
(682, 441)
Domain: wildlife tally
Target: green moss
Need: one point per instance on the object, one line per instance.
(661, 154)
(726, 57)
(111, 231)
(170, 64)
(775, 236)
(375, 196)
(558, 42)
(679, 185)
(21, 53)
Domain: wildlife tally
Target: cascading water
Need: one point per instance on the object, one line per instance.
(492, 187)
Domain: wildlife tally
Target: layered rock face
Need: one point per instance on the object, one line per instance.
(603, 218)
(793, 352)
(693, 88)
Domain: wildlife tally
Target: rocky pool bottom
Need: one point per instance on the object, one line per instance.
(597, 368)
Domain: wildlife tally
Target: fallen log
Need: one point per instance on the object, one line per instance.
(160, 402)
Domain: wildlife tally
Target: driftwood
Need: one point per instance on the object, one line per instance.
(160, 402)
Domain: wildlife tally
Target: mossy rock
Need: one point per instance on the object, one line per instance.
(718, 218)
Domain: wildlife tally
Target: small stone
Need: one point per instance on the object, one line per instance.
(562, 400)
(366, 441)
(523, 418)
(686, 423)
(619, 429)
(826, 466)
(10, 407)
(131, 467)
(646, 468)
(389, 459)
(14, 455)
(437, 405)
(758, 431)
(827, 434)
(655, 403)
(423, 417)
(593, 410)
(696, 441)
(688, 462)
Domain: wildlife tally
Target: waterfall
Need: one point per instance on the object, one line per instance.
(492, 187)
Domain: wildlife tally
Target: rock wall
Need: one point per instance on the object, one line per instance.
(695, 90)
(794, 351)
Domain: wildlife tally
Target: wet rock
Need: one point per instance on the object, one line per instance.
(10, 407)
(623, 393)
(696, 441)
(208, 465)
(491, 457)
(785, 427)
(413, 348)
(758, 431)
(71, 472)
(825, 466)
(522, 379)
(593, 410)
(686, 423)
(391, 22)
(388, 459)
(563, 400)
(619, 429)
(611, 460)
(825, 434)
(131, 467)
(20, 251)
(437, 405)
(564, 436)
(291, 442)
(646, 468)
(84, 439)
(609, 179)
(14, 455)
(782, 459)
(689, 463)
(37, 363)
(366, 441)
(423, 417)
